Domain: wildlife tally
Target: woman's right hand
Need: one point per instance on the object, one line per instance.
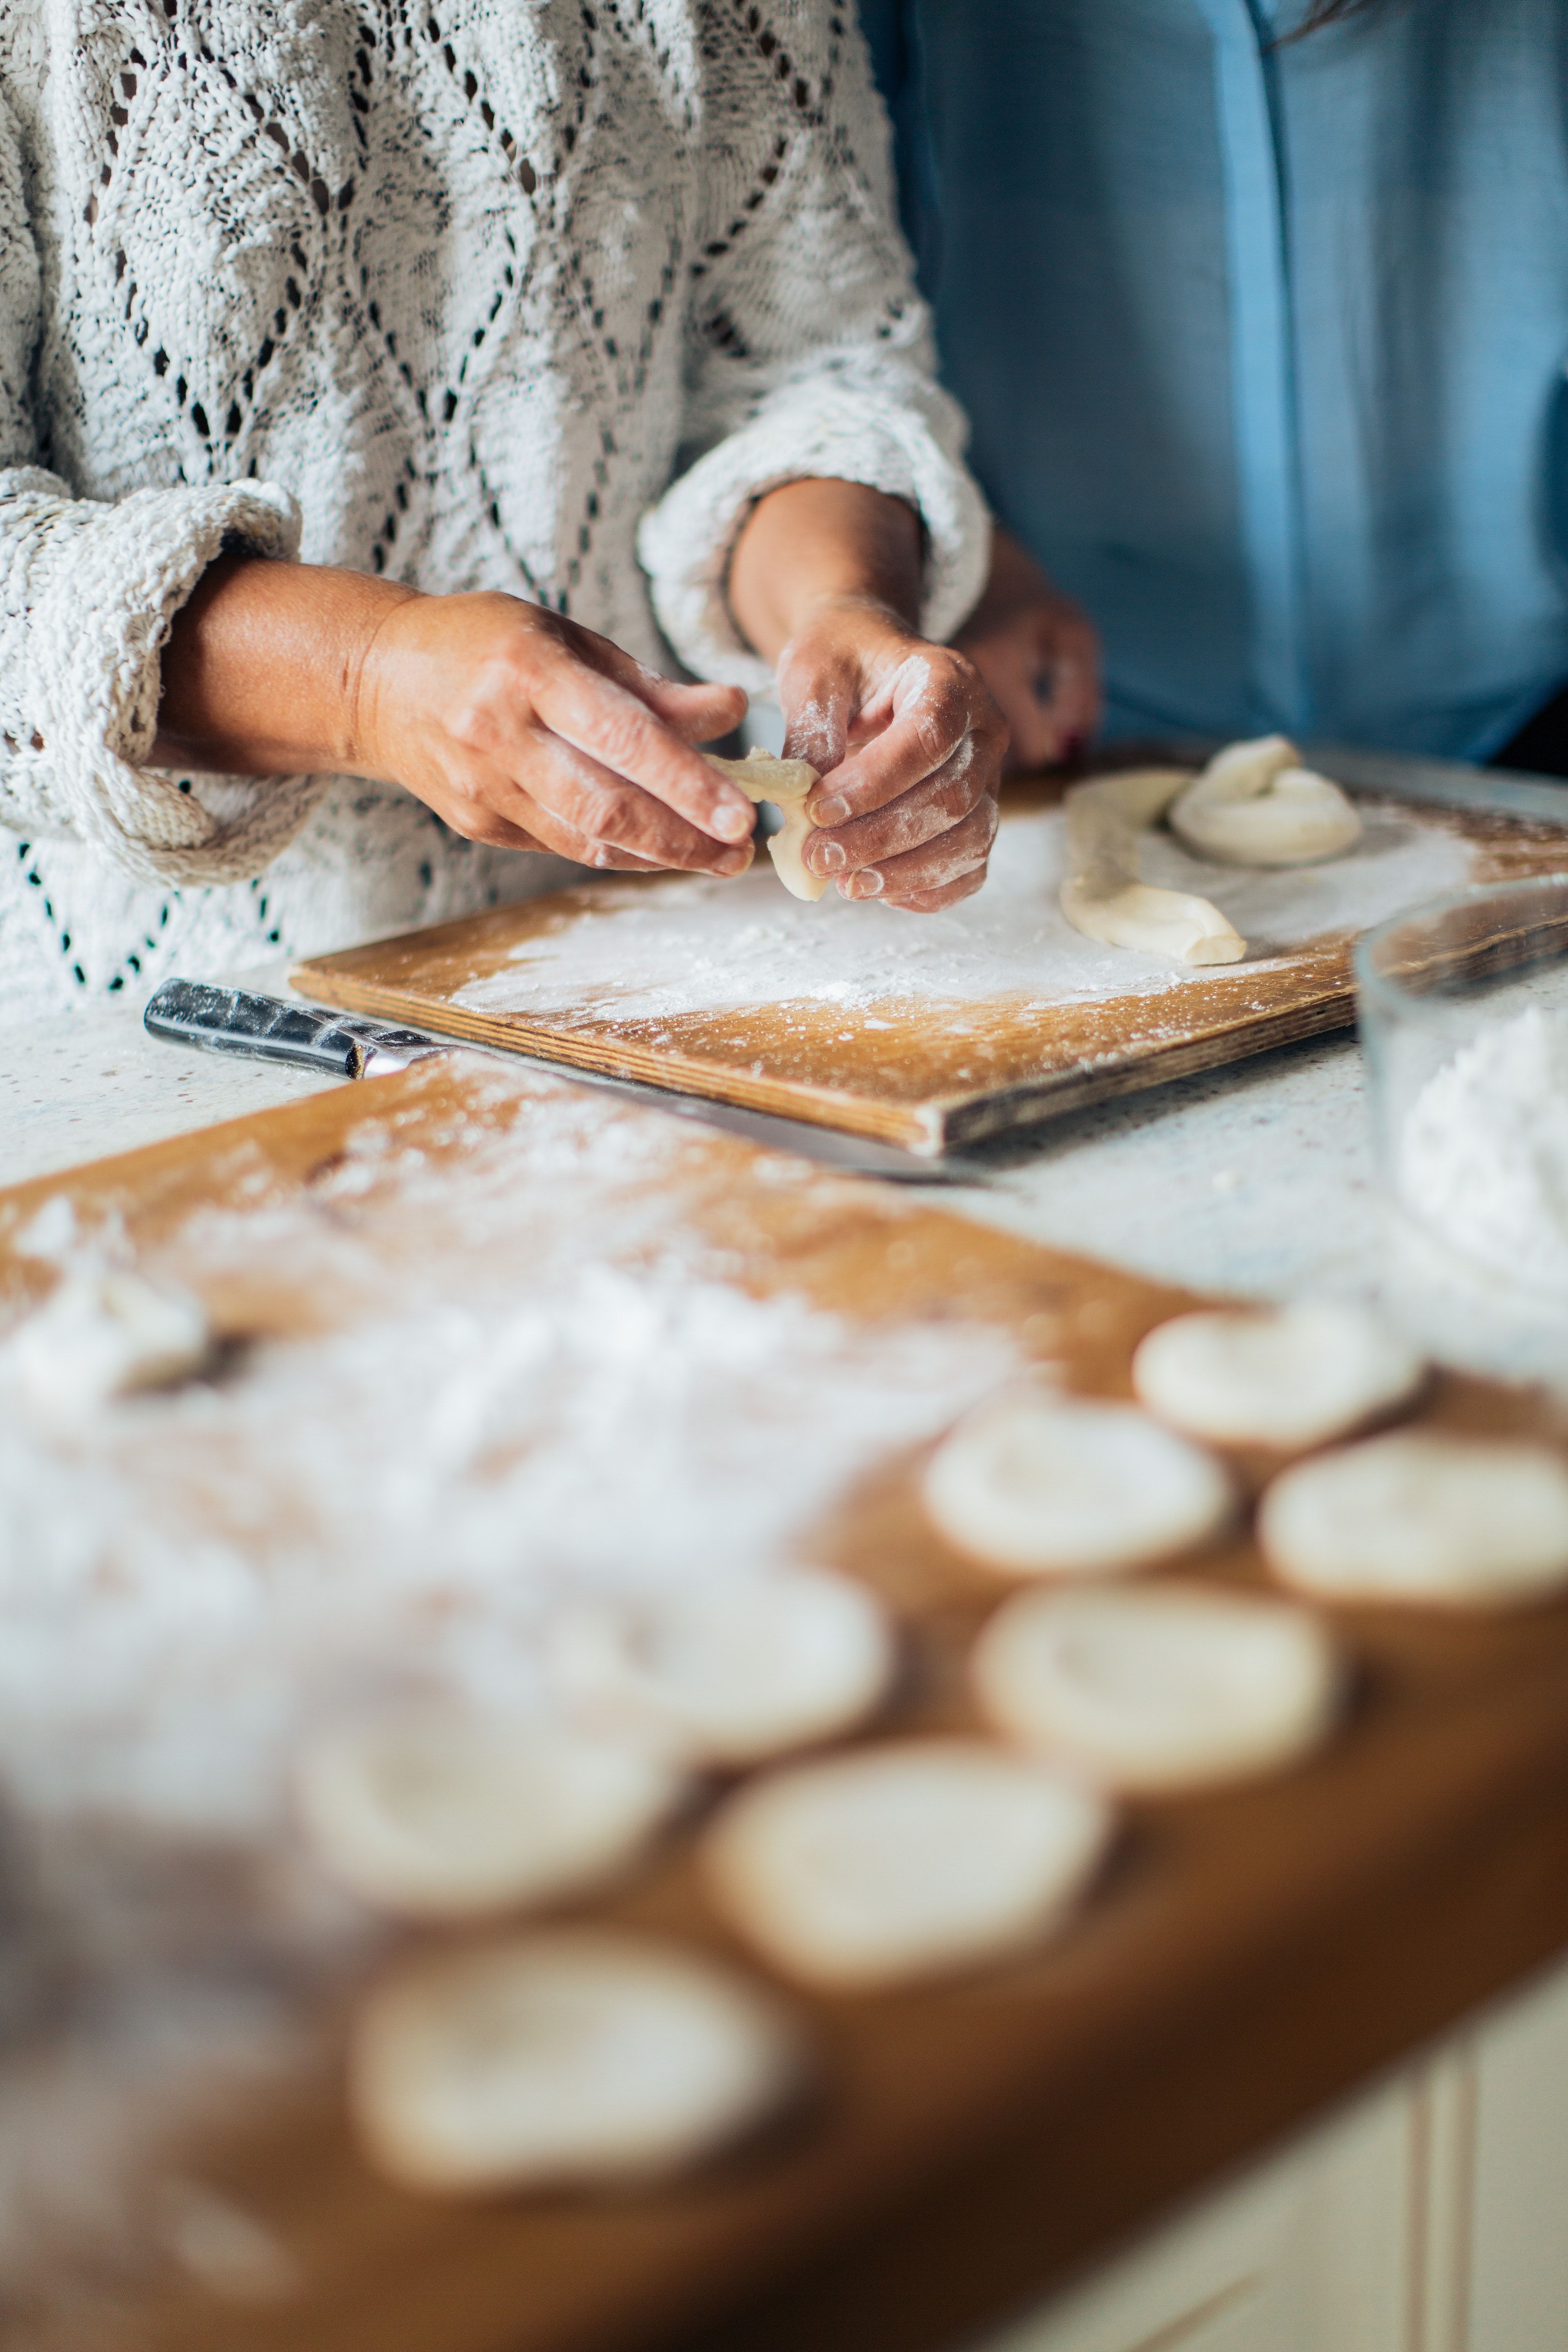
(524, 729)
(515, 725)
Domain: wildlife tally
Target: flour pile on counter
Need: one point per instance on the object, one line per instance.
(691, 945)
(1483, 1156)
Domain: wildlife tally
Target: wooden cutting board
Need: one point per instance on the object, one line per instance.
(927, 1032)
(1245, 1957)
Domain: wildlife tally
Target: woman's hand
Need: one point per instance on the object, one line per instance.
(824, 582)
(908, 745)
(516, 725)
(1039, 655)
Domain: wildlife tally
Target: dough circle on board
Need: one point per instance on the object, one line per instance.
(103, 1335)
(729, 1669)
(901, 1862)
(1102, 895)
(1032, 1485)
(433, 1811)
(1158, 1686)
(1255, 804)
(567, 2059)
(1289, 1376)
(1421, 1515)
(784, 783)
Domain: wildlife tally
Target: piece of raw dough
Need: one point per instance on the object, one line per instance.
(1158, 1686)
(1422, 1515)
(1255, 804)
(433, 1811)
(1040, 1485)
(103, 1335)
(565, 2060)
(1102, 895)
(1288, 1376)
(729, 1670)
(903, 1861)
(784, 783)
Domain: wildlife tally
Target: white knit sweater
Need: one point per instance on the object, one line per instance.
(476, 293)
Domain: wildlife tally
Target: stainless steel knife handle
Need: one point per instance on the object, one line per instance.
(267, 1029)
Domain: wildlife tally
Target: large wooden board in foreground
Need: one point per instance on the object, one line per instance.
(928, 1033)
(1247, 1956)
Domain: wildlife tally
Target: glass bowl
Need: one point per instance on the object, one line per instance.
(1463, 1006)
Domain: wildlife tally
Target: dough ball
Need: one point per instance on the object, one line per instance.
(1158, 1686)
(430, 1811)
(105, 1335)
(1422, 1515)
(902, 1861)
(729, 1670)
(1039, 1485)
(569, 2059)
(1289, 1377)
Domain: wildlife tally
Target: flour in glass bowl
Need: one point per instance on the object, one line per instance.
(1483, 1159)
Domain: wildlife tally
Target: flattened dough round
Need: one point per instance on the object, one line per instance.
(431, 1811)
(1158, 1686)
(104, 1335)
(730, 1669)
(1037, 1485)
(903, 1861)
(1288, 1376)
(563, 2059)
(1422, 1515)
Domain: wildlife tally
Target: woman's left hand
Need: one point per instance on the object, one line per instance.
(908, 745)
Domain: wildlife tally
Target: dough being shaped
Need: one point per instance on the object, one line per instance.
(1255, 804)
(1422, 1515)
(902, 1862)
(1039, 1485)
(729, 1670)
(104, 1335)
(1286, 1376)
(432, 1811)
(1158, 1686)
(784, 783)
(560, 2060)
(1102, 895)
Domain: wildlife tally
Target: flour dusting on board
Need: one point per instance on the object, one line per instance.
(695, 945)
(547, 1384)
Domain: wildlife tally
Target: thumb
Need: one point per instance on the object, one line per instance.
(817, 707)
(698, 714)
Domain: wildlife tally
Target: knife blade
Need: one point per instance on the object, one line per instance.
(244, 1022)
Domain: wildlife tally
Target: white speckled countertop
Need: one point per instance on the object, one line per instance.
(1259, 1180)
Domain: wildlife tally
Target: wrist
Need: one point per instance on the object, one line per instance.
(813, 546)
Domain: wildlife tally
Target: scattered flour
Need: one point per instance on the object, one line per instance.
(692, 945)
(1483, 1158)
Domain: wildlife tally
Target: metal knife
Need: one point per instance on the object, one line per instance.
(241, 1022)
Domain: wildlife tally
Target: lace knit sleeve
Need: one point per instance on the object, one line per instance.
(810, 352)
(87, 591)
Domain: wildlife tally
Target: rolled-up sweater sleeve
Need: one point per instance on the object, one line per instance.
(87, 588)
(809, 351)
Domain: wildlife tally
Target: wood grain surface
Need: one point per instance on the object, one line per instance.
(931, 1076)
(1247, 1956)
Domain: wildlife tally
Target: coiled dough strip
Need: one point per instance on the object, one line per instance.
(1102, 895)
(784, 783)
(1255, 804)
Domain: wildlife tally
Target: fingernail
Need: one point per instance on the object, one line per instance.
(733, 861)
(866, 884)
(827, 856)
(832, 811)
(732, 823)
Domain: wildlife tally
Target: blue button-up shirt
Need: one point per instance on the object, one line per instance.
(1264, 345)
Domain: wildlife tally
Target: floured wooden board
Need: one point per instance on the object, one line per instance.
(928, 1032)
(494, 1339)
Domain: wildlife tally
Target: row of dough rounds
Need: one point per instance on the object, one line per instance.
(561, 2055)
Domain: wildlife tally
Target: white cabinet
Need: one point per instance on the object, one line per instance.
(1429, 2216)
